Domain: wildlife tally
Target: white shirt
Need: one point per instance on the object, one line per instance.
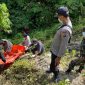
(27, 41)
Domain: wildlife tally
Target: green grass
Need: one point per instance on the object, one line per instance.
(24, 71)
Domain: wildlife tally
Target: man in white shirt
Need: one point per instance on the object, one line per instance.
(26, 41)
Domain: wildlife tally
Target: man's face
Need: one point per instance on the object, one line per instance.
(4, 43)
(60, 17)
(25, 37)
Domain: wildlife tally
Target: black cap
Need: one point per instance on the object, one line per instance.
(63, 11)
(34, 40)
(25, 35)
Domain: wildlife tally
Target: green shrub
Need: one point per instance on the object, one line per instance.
(5, 23)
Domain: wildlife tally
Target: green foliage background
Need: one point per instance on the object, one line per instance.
(40, 13)
(5, 23)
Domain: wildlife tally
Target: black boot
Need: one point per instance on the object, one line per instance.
(80, 68)
(78, 71)
(68, 71)
(57, 76)
(71, 66)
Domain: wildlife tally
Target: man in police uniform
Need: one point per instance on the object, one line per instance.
(60, 41)
(5, 45)
(80, 60)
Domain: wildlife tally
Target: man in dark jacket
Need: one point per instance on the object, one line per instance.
(80, 60)
(37, 47)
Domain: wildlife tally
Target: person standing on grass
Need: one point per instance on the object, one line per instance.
(80, 61)
(60, 41)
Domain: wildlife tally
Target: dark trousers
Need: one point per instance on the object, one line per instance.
(53, 66)
(77, 62)
(34, 50)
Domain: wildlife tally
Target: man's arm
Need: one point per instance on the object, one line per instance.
(63, 45)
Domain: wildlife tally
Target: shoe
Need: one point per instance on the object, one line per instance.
(78, 71)
(49, 71)
(68, 71)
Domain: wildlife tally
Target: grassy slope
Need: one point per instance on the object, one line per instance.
(24, 71)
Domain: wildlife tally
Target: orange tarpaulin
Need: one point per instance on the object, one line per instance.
(17, 48)
(16, 52)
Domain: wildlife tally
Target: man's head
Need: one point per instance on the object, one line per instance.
(62, 14)
(34, 41)
(25, 35)
(3, 42)
(26, 30)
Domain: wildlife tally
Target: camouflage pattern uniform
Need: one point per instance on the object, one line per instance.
(80, 60)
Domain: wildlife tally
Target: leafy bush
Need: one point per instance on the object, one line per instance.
(34, 13)
(40, 14)
(5, 23)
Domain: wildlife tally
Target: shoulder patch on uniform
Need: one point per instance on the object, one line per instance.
(63, 34)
